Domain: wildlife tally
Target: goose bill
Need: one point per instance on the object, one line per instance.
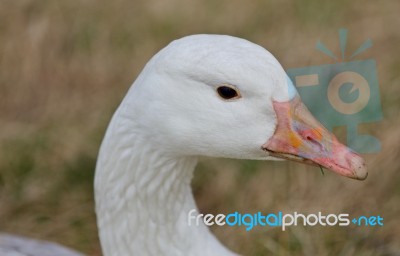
(300, 137)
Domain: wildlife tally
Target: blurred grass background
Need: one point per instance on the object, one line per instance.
(66, 65)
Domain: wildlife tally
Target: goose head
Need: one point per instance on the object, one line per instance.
(222, 96)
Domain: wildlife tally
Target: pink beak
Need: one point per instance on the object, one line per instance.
(300, 137)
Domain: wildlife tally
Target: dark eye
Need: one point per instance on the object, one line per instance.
(227, 92)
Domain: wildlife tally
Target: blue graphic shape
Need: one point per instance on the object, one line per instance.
(291, 88)
(315, 97)
(342, 41)
(349, 93)
(364, 46)
(320, 46)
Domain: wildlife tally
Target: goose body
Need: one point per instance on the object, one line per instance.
(19, 246)
(202, 95)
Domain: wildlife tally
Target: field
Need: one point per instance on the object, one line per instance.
(66, 65)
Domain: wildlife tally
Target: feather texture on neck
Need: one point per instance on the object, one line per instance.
(143, 196)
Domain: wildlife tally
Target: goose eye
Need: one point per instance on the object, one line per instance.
(227, 92)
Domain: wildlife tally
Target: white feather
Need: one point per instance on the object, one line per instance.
(171, 115)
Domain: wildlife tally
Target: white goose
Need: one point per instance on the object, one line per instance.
(202, 95)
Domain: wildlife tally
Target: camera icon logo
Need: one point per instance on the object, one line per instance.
(343, 94)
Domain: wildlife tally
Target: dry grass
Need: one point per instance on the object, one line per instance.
(65, 65)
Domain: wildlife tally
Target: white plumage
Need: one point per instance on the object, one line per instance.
(171, 115)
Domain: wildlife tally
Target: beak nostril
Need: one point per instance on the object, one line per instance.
(311, 140)
(307, 135)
